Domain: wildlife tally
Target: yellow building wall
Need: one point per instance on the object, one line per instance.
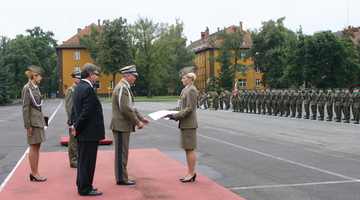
(203, 64)
(70, 65)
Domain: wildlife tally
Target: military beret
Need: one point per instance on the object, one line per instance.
(186, 70)
(76, 74)
(36, 69)
(129, 69)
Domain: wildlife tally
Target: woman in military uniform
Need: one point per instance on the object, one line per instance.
(33, 119)
(187, 120)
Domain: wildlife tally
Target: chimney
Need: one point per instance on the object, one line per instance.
(202, 36)
(207, 33)
(240, 26)
(98, 22)
(79, 29)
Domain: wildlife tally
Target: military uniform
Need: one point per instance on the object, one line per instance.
(337, 104)
(329, 104)
(299, 103)
(313, 103)
(306, 100)
(292, 102)
(321, 103)
(72, 144)
(356, 105)
(346, 99)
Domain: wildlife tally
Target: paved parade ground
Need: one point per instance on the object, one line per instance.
(250, 156)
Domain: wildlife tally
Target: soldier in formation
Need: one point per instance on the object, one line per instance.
(289, 103)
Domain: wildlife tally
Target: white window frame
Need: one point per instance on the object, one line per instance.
(257, 82)
(242, 82)
(76, 55)
(76, 68)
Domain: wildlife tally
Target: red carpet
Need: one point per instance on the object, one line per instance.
(156, 174)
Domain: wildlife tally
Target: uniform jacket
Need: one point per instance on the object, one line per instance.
(31, 107)
(69, 102)
(87, 115)
(187, 107)
(124, 114)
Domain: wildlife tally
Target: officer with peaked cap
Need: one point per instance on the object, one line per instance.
(72, 144)
(125, 117)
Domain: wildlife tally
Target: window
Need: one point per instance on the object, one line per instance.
(257, 83)
(241, 55)
(97, 85)
(257, 70)
(76, 68)
(242, 82)
(112, 84)
(77, 55)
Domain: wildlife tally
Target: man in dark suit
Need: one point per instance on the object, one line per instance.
(88, 128)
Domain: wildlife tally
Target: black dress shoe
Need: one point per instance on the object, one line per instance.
(73, 166)
(94, 189)
(189, 180)
(127, 182)
(35, 179)
(92, 193)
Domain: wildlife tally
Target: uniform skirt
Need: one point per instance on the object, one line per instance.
(37, 137)
(188, 138)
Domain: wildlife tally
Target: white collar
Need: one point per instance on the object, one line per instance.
(126, 83)
(84, 79)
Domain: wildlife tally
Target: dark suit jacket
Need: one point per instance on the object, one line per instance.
(87, 115)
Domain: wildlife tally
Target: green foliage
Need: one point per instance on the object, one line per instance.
(91, 42)
(269, 51)
(45, 57)
(153, 48)
(4, 86)
(230, 51)
(18, 56)
(114, 46)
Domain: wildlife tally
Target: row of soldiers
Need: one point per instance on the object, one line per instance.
(284, 102)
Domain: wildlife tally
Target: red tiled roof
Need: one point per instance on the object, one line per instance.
(203, 44)
(73, 42)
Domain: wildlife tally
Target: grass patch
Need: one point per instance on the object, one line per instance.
(144, 98)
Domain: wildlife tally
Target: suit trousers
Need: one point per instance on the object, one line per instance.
(87, 152)
(122, 140)
(72, 149)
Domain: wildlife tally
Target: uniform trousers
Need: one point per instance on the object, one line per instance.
(122, 140)
(87, 152)
(72, 149)
(307, 110)
(329, 109)
(321, 110)
(346, 111)
(314, 109)
(338, 108)
(299, 108)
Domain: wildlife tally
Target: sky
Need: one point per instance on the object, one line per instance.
(64, 17)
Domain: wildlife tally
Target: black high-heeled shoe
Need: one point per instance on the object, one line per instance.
(35, 179)
(189, 180)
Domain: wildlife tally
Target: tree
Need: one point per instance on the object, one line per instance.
(91, 42)
(19, 55)
(44, 45)
(183, 56)
(267, 52)
(230, 50)
(114, 47)
(5, 75)
(153, 54)
(330, 62)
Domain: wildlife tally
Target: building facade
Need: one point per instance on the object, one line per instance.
(72, 56)
(208, 69)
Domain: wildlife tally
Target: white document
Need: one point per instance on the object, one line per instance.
(161, 113)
